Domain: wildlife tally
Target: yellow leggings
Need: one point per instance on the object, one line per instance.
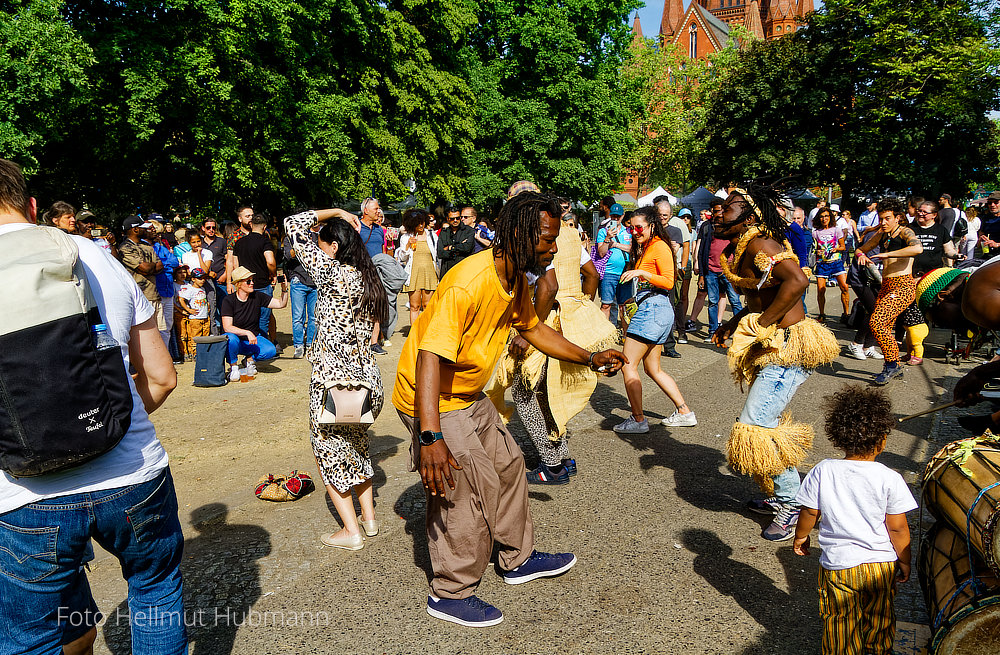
(916, 335)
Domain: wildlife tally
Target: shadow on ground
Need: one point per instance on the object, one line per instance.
(221, 584)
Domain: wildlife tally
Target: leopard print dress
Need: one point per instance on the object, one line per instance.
(340, 351)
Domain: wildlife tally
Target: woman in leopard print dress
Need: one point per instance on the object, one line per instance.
(350, 299)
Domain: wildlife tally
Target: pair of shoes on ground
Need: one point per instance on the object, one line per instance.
(889, 371)
(473, 612)
(786, 515)
(675, 420)
(858, 351)
(352, 542)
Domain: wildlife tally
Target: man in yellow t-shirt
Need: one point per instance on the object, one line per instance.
(469, 463)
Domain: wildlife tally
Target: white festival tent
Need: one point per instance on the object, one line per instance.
(647, 199)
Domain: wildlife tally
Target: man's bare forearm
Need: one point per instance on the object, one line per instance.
(428, 391)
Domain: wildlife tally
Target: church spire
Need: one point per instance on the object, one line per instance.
(636, 31)
(805, 7)
(782, 9)
(752, 22)
(673, 14)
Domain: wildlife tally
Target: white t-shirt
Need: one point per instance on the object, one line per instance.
(196, 299)
(853, 498)
(190, 259)
(139, 456)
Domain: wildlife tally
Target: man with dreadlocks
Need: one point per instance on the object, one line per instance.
(471, 467)
(775, 347)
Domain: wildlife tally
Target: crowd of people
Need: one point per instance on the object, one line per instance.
(528, 302)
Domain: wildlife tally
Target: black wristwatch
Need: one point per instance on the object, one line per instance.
(427, 437)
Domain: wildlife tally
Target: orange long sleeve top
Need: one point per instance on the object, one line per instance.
(658, 260)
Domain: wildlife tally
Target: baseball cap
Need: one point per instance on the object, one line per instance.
(200, 273)
(994, 196)
(617, 210)
(134, 221)
(684, 212)
(835, 208)
(241, 273)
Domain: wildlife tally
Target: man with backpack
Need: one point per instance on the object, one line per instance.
(71, 473)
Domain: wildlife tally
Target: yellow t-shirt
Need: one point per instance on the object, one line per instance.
(466, 324)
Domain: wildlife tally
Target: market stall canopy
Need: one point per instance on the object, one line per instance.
(698, 200)
(802, 194)
(648, 199)
(625, 199)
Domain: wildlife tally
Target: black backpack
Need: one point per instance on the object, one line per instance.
(63, 401)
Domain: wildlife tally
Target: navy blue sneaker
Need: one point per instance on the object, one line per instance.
(379, 350)
(472, 612)
(570, 465)
(540, 565)
(545, 475)
(888, 372)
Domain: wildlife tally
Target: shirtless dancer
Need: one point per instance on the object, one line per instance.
(898, 245)
(775, 347)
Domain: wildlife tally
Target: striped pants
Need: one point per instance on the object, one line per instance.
(856, 606)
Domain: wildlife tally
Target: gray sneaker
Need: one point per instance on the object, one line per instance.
(782, 527)
(632, 426)
(300, 352)
(678, 420)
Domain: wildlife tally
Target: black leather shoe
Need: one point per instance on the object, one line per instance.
(671, 353)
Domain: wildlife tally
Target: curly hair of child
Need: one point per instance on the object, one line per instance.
(858, 419)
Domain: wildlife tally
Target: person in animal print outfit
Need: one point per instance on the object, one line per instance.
(350, 300)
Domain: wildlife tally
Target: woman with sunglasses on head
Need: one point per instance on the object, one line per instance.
(654, 273)
(350, 300)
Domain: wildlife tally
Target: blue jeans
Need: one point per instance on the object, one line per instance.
(768, 397)
(262, 351)
(265, 312)
(45, 599)
(303, 298)
(220, 293)
(713, 281)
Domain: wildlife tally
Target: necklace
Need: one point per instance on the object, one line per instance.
(762, 260)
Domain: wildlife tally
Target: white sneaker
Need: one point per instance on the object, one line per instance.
(873, 353)
(856, 350)
(234, 374)
(678, 420)
(632, 426)
(387, 344)
(251, 367)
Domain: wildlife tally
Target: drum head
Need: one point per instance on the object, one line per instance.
(973, 630)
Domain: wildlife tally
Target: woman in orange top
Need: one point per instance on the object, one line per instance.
(650, 327)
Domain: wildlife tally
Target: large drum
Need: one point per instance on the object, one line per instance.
(961, 487)
(963, 596)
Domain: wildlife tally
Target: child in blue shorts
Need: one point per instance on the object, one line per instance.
(861, 508)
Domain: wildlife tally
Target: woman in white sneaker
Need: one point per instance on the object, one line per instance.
(654, 273)
(350, 299)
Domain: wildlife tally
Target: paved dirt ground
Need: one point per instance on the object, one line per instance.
(669, 561)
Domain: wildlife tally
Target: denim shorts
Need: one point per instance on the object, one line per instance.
(614, 293)
(653, 320)
(830, 269)
(45, 599)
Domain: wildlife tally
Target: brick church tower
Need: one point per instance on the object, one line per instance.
(768, 19)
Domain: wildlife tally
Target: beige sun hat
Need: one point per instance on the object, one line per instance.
(241, 273)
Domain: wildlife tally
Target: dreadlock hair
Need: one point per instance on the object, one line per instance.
(351, 251)
(767, 197)
(651, 217)
(519, 227)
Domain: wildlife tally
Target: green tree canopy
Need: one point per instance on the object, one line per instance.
(870, 94)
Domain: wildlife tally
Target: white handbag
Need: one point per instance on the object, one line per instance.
(346, 401)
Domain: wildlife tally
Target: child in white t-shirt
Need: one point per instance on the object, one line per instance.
(193, 304)
(861, 507)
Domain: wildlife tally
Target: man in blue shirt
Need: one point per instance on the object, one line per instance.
(372, 234)
(614, 238)
(801, 240)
